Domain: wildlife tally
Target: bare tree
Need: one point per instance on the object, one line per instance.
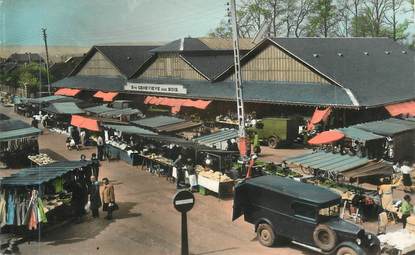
(375, 11)
(304, 8)
(395, 8)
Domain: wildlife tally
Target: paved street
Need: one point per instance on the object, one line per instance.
(147, 222)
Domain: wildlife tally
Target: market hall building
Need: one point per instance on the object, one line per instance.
(360, 79)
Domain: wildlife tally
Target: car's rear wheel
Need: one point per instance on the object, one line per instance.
(324, 237)
(266, 235)
(273, 142)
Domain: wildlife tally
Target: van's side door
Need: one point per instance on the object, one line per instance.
(303, 222)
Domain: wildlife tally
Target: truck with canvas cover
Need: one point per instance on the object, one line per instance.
(275, 131)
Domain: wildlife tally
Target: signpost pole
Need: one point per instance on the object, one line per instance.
(185, 244)
(183, 202)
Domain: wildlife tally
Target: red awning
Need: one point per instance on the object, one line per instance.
(106, 96)
(326, 137)
(176, 103)
(318, 116)
(83, 122)
(407, 108)
(67, 92)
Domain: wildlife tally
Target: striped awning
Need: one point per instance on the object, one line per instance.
(328, 161)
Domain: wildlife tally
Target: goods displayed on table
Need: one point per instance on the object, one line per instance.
(214, 181)
(51, 202)
(217, 176)
(119, 145)
(397, 242)
(160, 159)
(41, 159)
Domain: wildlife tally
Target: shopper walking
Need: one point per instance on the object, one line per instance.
(95, 165)
(76, 138)
(178, 164)
(82, 136)
(108, 198)
(34, 123)
(94, 197)
(406, 174)
(100, 148)
(406, 209)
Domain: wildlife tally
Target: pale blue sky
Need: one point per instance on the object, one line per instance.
(86, 22)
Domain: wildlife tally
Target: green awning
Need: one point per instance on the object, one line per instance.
(64, 108)
(359, 134)
(39, 175)
(388, 127)
(328, 161)
(19, 133)
(130, 129)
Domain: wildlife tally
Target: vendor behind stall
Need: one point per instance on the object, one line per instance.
(178, 164)
(406, 174)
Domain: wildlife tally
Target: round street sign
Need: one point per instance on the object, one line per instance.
(183, 201)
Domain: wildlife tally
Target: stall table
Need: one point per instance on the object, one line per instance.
(41, 159)
(113, 152)
(398, 242)
(221, 188)
(150, 161)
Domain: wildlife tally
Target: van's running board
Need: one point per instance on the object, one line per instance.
(308, 246)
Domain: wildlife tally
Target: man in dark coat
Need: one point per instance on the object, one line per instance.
(95, 165)
(94, 197)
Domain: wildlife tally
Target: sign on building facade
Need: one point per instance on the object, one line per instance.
(156, 88)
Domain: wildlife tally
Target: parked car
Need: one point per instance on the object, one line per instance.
(284, 210)
(275, 131)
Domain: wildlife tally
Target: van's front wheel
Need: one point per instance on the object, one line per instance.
(266, 235)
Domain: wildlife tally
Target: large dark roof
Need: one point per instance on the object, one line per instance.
(385, 74)
(205, 44)
(211, 64)
(297, 190)
(183, 44)
(313, 94)
(91, 83)
(62, 69)
(373, 71)
(126, 58)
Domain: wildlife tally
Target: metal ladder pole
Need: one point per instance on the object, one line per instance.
(238, 78)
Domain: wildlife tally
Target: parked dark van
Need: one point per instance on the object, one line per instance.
(284, 210)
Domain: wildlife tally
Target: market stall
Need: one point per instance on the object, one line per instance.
(218, 139)
(400, 136)
(17, 140)
(335, 165)
(36, 195)
(121, 145)
(154, 123)
(108, 114)
(214, 181)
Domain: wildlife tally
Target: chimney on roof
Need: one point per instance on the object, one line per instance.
(181, 44)
(339, 54)
(366, 53)
(404, 52)
(387, 52)
(315, 55)
(128, 58)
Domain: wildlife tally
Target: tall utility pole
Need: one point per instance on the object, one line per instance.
(47, 57)
(238, 86)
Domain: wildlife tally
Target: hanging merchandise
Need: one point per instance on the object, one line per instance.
(3, 211)
(10, 209)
